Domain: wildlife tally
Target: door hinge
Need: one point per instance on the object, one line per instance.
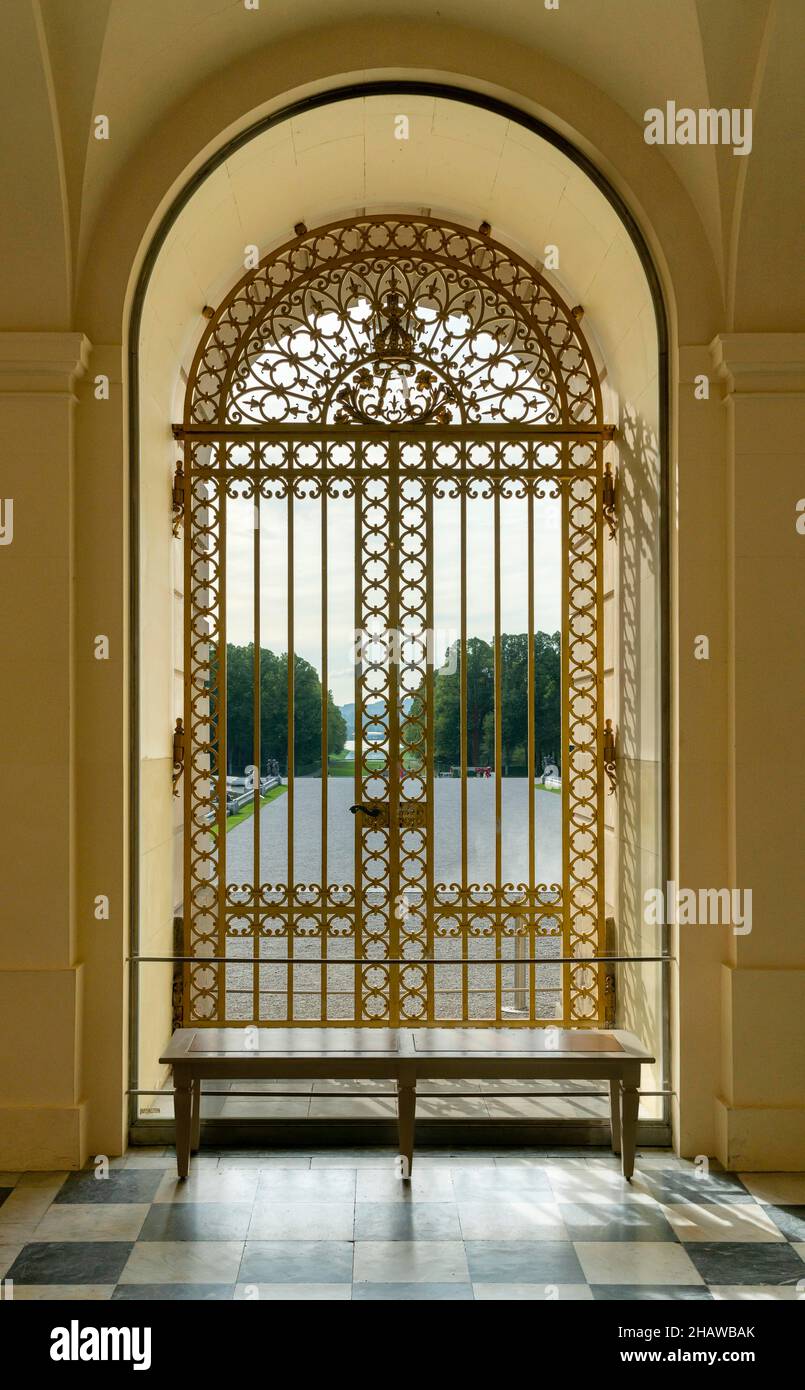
(178, 970)
(610, 755)
(178, 755)
(610, 999)
(609, 499)
(178, 498)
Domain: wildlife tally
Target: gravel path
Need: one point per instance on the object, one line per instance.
(447, 821)
(272, 982)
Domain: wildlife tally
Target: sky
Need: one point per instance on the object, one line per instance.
(307, 585)
(274, 375)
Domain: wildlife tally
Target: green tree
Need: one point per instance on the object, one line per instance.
(514, 703)
(447, 703)
(548, 699)
(274, 712)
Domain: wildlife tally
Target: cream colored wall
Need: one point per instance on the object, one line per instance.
(760, 1110)
(161, 698)
(101, 762)
(42, 983)
(707, 224)
(633, 682)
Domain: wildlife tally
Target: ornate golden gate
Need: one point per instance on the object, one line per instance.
(408, 393)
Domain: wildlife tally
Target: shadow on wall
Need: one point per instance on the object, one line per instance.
(639, 821)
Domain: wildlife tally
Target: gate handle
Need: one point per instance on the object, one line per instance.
(367, 810)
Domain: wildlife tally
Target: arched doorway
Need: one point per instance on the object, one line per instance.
(394, 446)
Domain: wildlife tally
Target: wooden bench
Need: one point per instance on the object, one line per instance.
(405, 1055)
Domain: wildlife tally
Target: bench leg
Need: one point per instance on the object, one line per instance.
(615, 1113)
(182, 1103)
(195, 1118)
(630, 1099)
(406, 1112)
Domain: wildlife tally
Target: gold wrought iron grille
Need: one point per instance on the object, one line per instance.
(369, 385)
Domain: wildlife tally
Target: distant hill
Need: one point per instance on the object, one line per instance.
(373, 707)
(348, 713)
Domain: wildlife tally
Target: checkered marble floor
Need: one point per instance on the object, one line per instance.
(341, 1225)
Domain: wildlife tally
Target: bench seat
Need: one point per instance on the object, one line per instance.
(406, 1056)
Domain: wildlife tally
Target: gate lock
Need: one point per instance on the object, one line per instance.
(377, 815)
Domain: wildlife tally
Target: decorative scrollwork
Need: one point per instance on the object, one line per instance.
(394, 320)
(368, 400)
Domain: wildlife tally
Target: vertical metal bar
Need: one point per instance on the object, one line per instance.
(600, 906)
(430, 848)
(531, 918)
(325, 706)
(498, 674)
(291, 750)
(520, 967)
(256, 752)
(358, 734)
(394, 764)
(222, 744)
(190, 730)
(567, 906)
(464, 908)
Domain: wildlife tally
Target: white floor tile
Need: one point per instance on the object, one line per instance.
(78, 1293)
(276, 1219)
(777, 1293)
(166, 1161)
(579, 1181)
(8, 1254)
(662, 1159)
(737, 1221)
(515, 1160)
(212, 1185)
(22, 1211)
(451, 1160)
(273, 1087)
(292, 1293)
(428, 1185)
(515, 1219)
(779, 1189)
(256, 1164)
(303, 1185)
(92, 1221)
(266, 1108)
(424, 1088)
(41, 1182)
(544, 1108)
(364, 1160)
(519, 1293)
(451, 1108)
(352, 1107)
(350, 1088)
(183, 1262)
(636, 1262)
(410, 1262)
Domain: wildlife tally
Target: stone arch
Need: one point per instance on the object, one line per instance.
(643, 441)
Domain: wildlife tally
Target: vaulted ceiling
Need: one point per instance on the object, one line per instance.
(139, 62)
